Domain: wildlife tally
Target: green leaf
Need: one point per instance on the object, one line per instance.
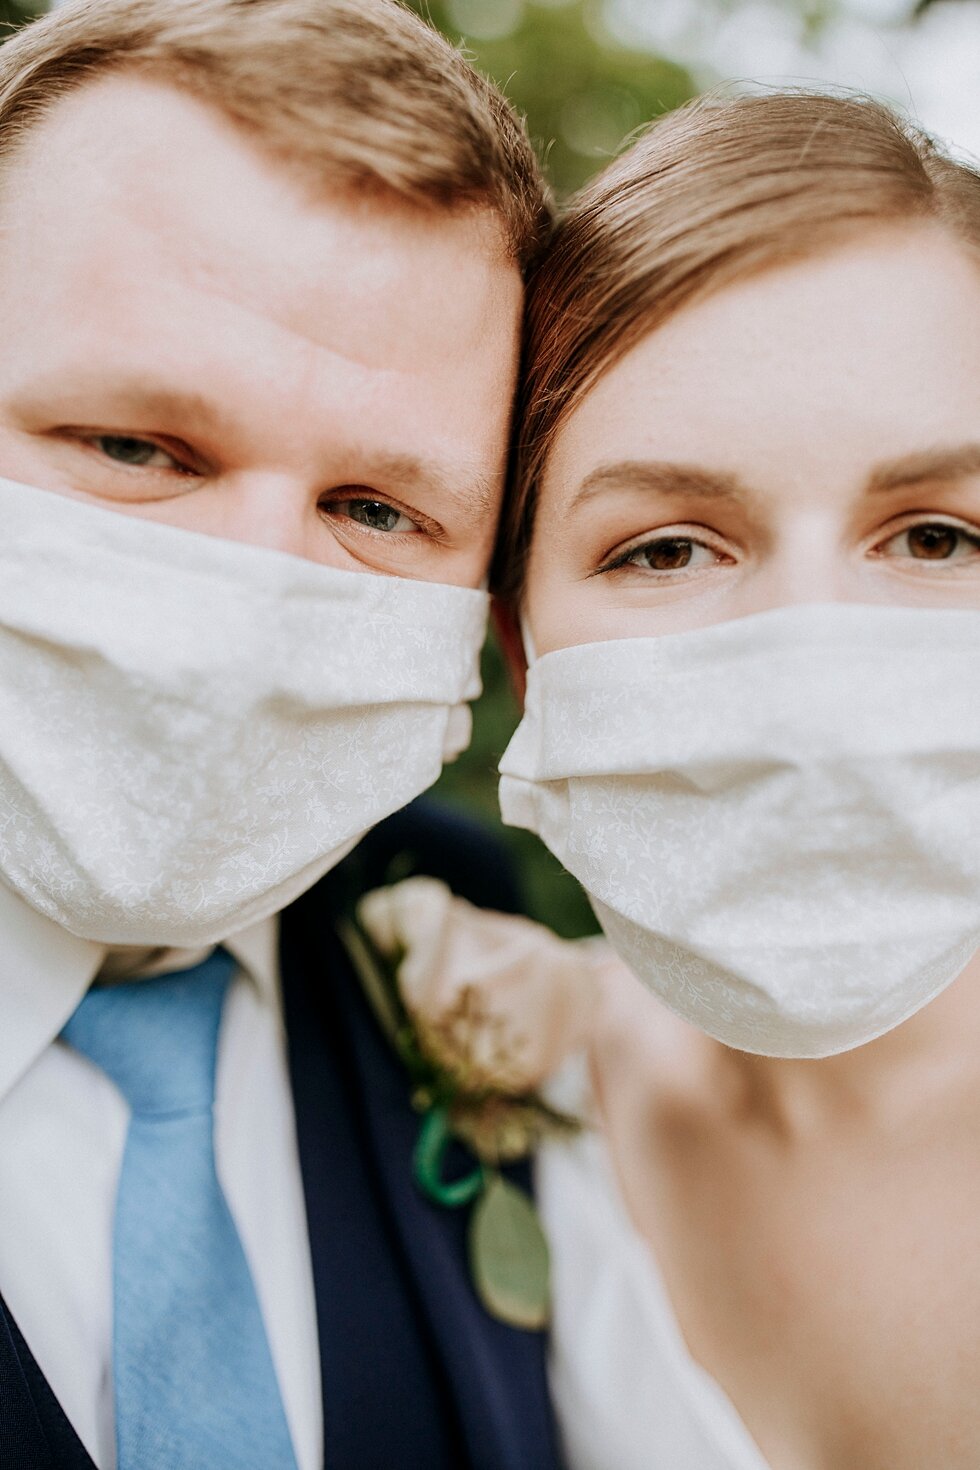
(509, 1256)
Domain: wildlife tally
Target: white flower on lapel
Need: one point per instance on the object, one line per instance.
(497, 999)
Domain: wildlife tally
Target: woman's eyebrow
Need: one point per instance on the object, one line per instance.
(927, 464)
(658, 477)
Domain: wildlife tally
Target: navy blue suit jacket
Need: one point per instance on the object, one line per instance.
(416, 1375)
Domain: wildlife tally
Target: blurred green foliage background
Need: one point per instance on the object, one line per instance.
(14, 13)
(580, 91)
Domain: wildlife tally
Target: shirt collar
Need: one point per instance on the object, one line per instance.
(45, 971)
(257, 951)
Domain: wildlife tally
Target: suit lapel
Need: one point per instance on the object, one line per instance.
(384, 1402)
(485, 1379)
(34, 1432)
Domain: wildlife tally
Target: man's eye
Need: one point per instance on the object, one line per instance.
(375, 514)
(125, 449)
(935, 541)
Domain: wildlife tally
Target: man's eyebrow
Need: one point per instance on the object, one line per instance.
(658, 477)
(177, 404)
(125, 396)
(468, 491)
(927, 464)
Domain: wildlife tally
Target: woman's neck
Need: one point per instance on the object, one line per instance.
(930, 1058)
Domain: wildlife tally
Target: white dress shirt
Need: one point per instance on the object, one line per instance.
(627, 1393)
(62, 1130)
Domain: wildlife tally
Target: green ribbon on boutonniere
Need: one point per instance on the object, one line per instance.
(508, 1252)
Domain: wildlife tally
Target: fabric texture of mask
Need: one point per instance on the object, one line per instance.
(777, 819)
(193, 730)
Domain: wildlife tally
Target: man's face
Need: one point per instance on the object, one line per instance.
(188, 335)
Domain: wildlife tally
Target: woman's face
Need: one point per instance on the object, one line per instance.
(809, 435)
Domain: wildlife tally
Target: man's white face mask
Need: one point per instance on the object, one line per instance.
(193, 730)
(777, 818)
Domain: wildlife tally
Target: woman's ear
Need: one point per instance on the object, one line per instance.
(507, 628)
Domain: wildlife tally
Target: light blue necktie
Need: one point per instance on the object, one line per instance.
(195, 1386)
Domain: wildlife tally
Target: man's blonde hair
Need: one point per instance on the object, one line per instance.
(716, 192)
(361, 92)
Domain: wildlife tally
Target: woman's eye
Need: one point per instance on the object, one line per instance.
(375, 514)
(935, 541)
(669, 554)
(128, 450)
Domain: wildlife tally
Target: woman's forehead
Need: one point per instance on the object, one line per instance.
(844, 362)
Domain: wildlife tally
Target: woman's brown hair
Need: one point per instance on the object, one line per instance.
(720, 190)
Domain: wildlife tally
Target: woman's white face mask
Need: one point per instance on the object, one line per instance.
(777, 819)
(791, 860)
(193, 730)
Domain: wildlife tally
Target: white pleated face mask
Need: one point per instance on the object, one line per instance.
(777, 819)
(192, 731)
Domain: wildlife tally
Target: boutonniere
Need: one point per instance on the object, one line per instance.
(481, 1008)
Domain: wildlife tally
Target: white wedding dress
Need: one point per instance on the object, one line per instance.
(627, 1392)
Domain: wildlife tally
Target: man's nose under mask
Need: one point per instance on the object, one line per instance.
(192, 731)
(777, 819)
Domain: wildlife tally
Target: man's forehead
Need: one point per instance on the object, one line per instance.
(188, 204)
(137, 143)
